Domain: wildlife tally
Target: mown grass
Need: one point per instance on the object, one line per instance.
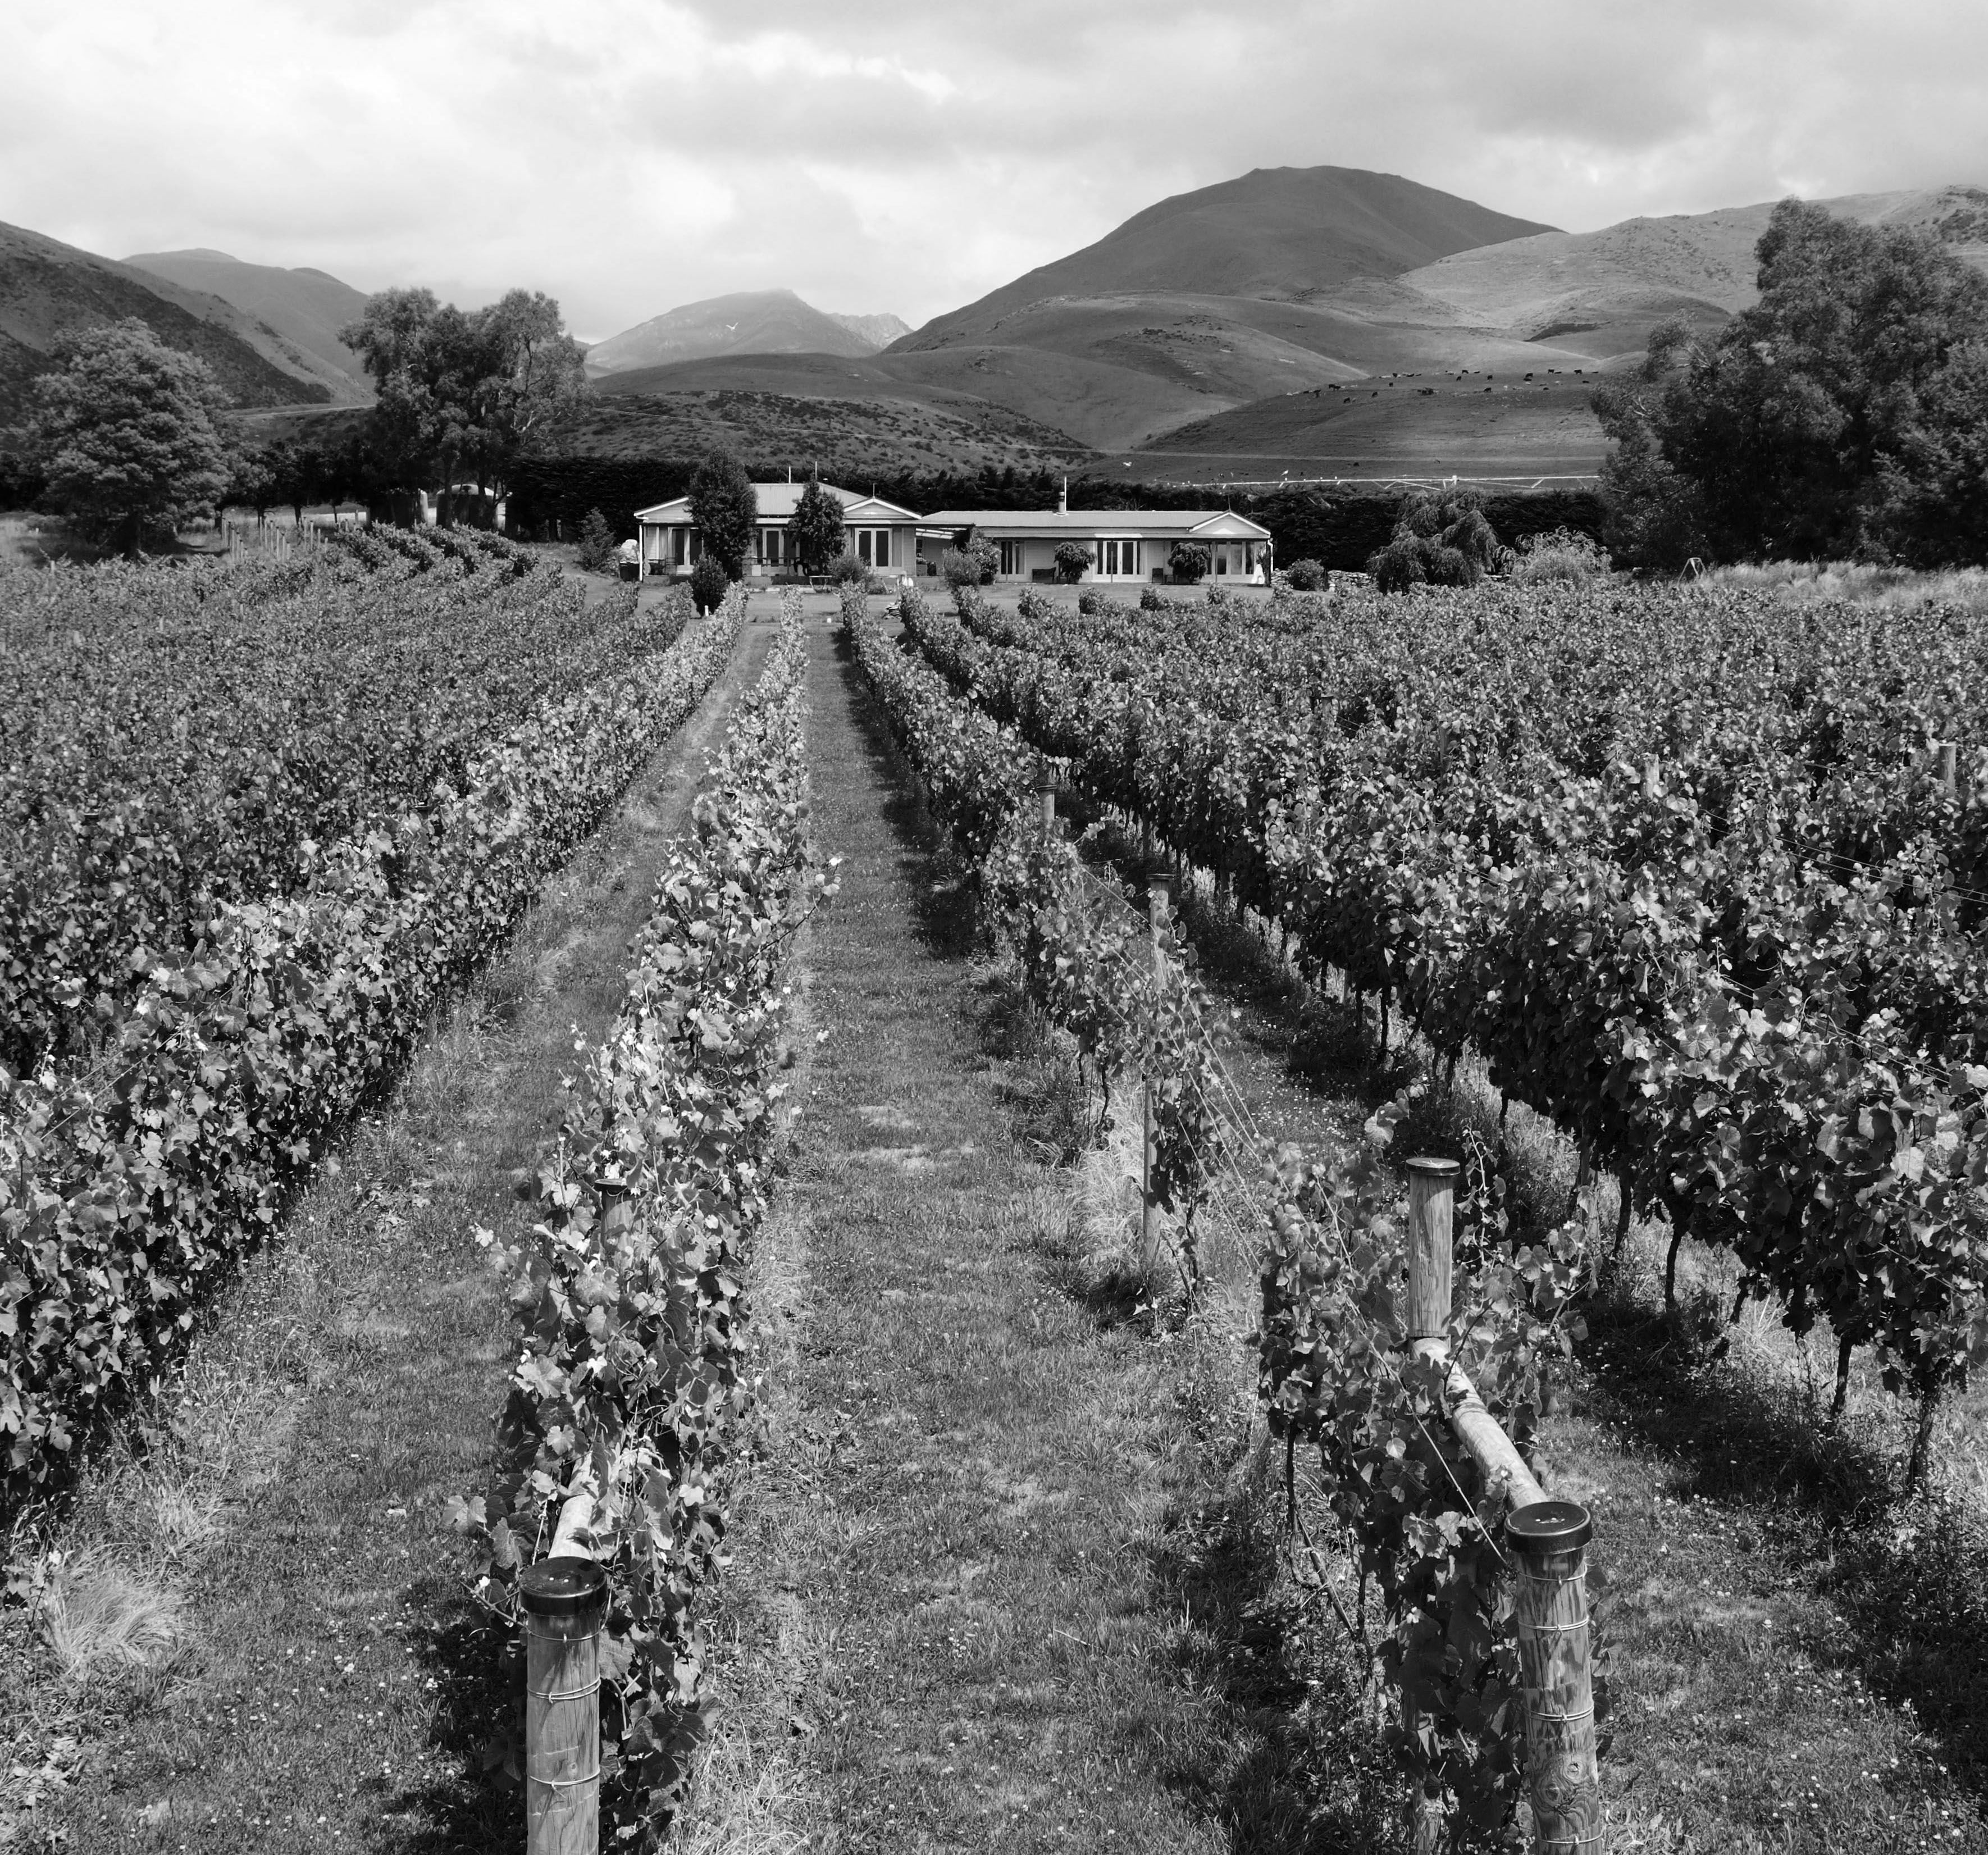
(330, 1684)
(1000, 1580)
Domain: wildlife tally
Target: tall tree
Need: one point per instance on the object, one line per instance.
(462, 396)
(1839, 416)
(815, 528)
(127, 435)
(725, 510)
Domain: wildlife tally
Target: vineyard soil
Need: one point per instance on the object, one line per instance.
(335, 1687)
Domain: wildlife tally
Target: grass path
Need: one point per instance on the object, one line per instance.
(336, 1691)
(977, 1599)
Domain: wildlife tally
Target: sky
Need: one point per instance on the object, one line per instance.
(626, 156)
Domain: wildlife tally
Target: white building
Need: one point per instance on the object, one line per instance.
(1125, 545)
(880, 535)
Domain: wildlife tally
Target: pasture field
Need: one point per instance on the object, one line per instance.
(970, 1306)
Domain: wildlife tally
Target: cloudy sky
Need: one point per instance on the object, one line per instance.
(629, 155)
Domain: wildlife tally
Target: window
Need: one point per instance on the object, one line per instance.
(883, 547)
(772, 539)
(1120, 556)
(862, 545)
(676, 544)
(1011, 559)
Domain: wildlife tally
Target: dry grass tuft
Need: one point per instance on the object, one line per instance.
(96, 1614)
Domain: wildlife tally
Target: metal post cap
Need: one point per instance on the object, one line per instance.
(562, 1587)
(1550, 1526)
(1431, 1167)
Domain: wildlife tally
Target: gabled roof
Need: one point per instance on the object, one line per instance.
(1219, 524)
(777, 502)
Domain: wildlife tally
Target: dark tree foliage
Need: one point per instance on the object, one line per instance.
(709, 582)
(462, 396)
(596, 544)
(1442, 538)
(725, 511)
(126, 441)
(815, 528)
(1844, 415)
(1306, 576)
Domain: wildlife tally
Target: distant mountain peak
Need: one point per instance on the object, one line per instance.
(747, 322)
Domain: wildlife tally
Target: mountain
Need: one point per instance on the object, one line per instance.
(879, 331)
(1317, 322)
(48, 288)
(752, 322)
(1277, 232)
(305, 308)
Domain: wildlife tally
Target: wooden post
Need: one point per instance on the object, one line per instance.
(1651, 789)
(1946, 758)
(1563, 1780)
(564, 1599)
(1431, 1218)
(1045, 796)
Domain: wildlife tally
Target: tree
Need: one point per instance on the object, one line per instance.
(709, 582)
(126, 436)
(1441, 539)
(1654, 519)
(725, 510)
(974, 565)
(1188, 563)
(1306, 576)
(815, 528)
(462, 396)
(596, 543)
(1842, 415)
(1073, 561)
(253, 480)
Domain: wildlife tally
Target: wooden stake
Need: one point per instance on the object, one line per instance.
(564, 1599)
(1947, 757)
(1562, 1779)
(1431, 1219)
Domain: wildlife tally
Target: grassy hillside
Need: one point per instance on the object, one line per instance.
(1275, 232)
(48, 288)
(1487, 424)
(1598, 294)
(305, 308)
(871, 422)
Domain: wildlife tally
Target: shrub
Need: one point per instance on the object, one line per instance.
(1073, 561)
(1440, 539)
(1188, 563)
(1562, 553)
(846, 570)
(1089, 602)
(596, 544)
(709, 584)
(1151, 598)
(1306, 576)
(974, 565)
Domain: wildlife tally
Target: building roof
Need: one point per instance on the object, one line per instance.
(1219, 524)
(777, 502)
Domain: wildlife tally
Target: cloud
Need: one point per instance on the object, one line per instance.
(628, 155)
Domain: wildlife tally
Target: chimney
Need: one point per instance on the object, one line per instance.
(1062, 498)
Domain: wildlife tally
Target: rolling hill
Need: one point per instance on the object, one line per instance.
(751, 322)
(1215, 335)
(305, 308)
(48, 288)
